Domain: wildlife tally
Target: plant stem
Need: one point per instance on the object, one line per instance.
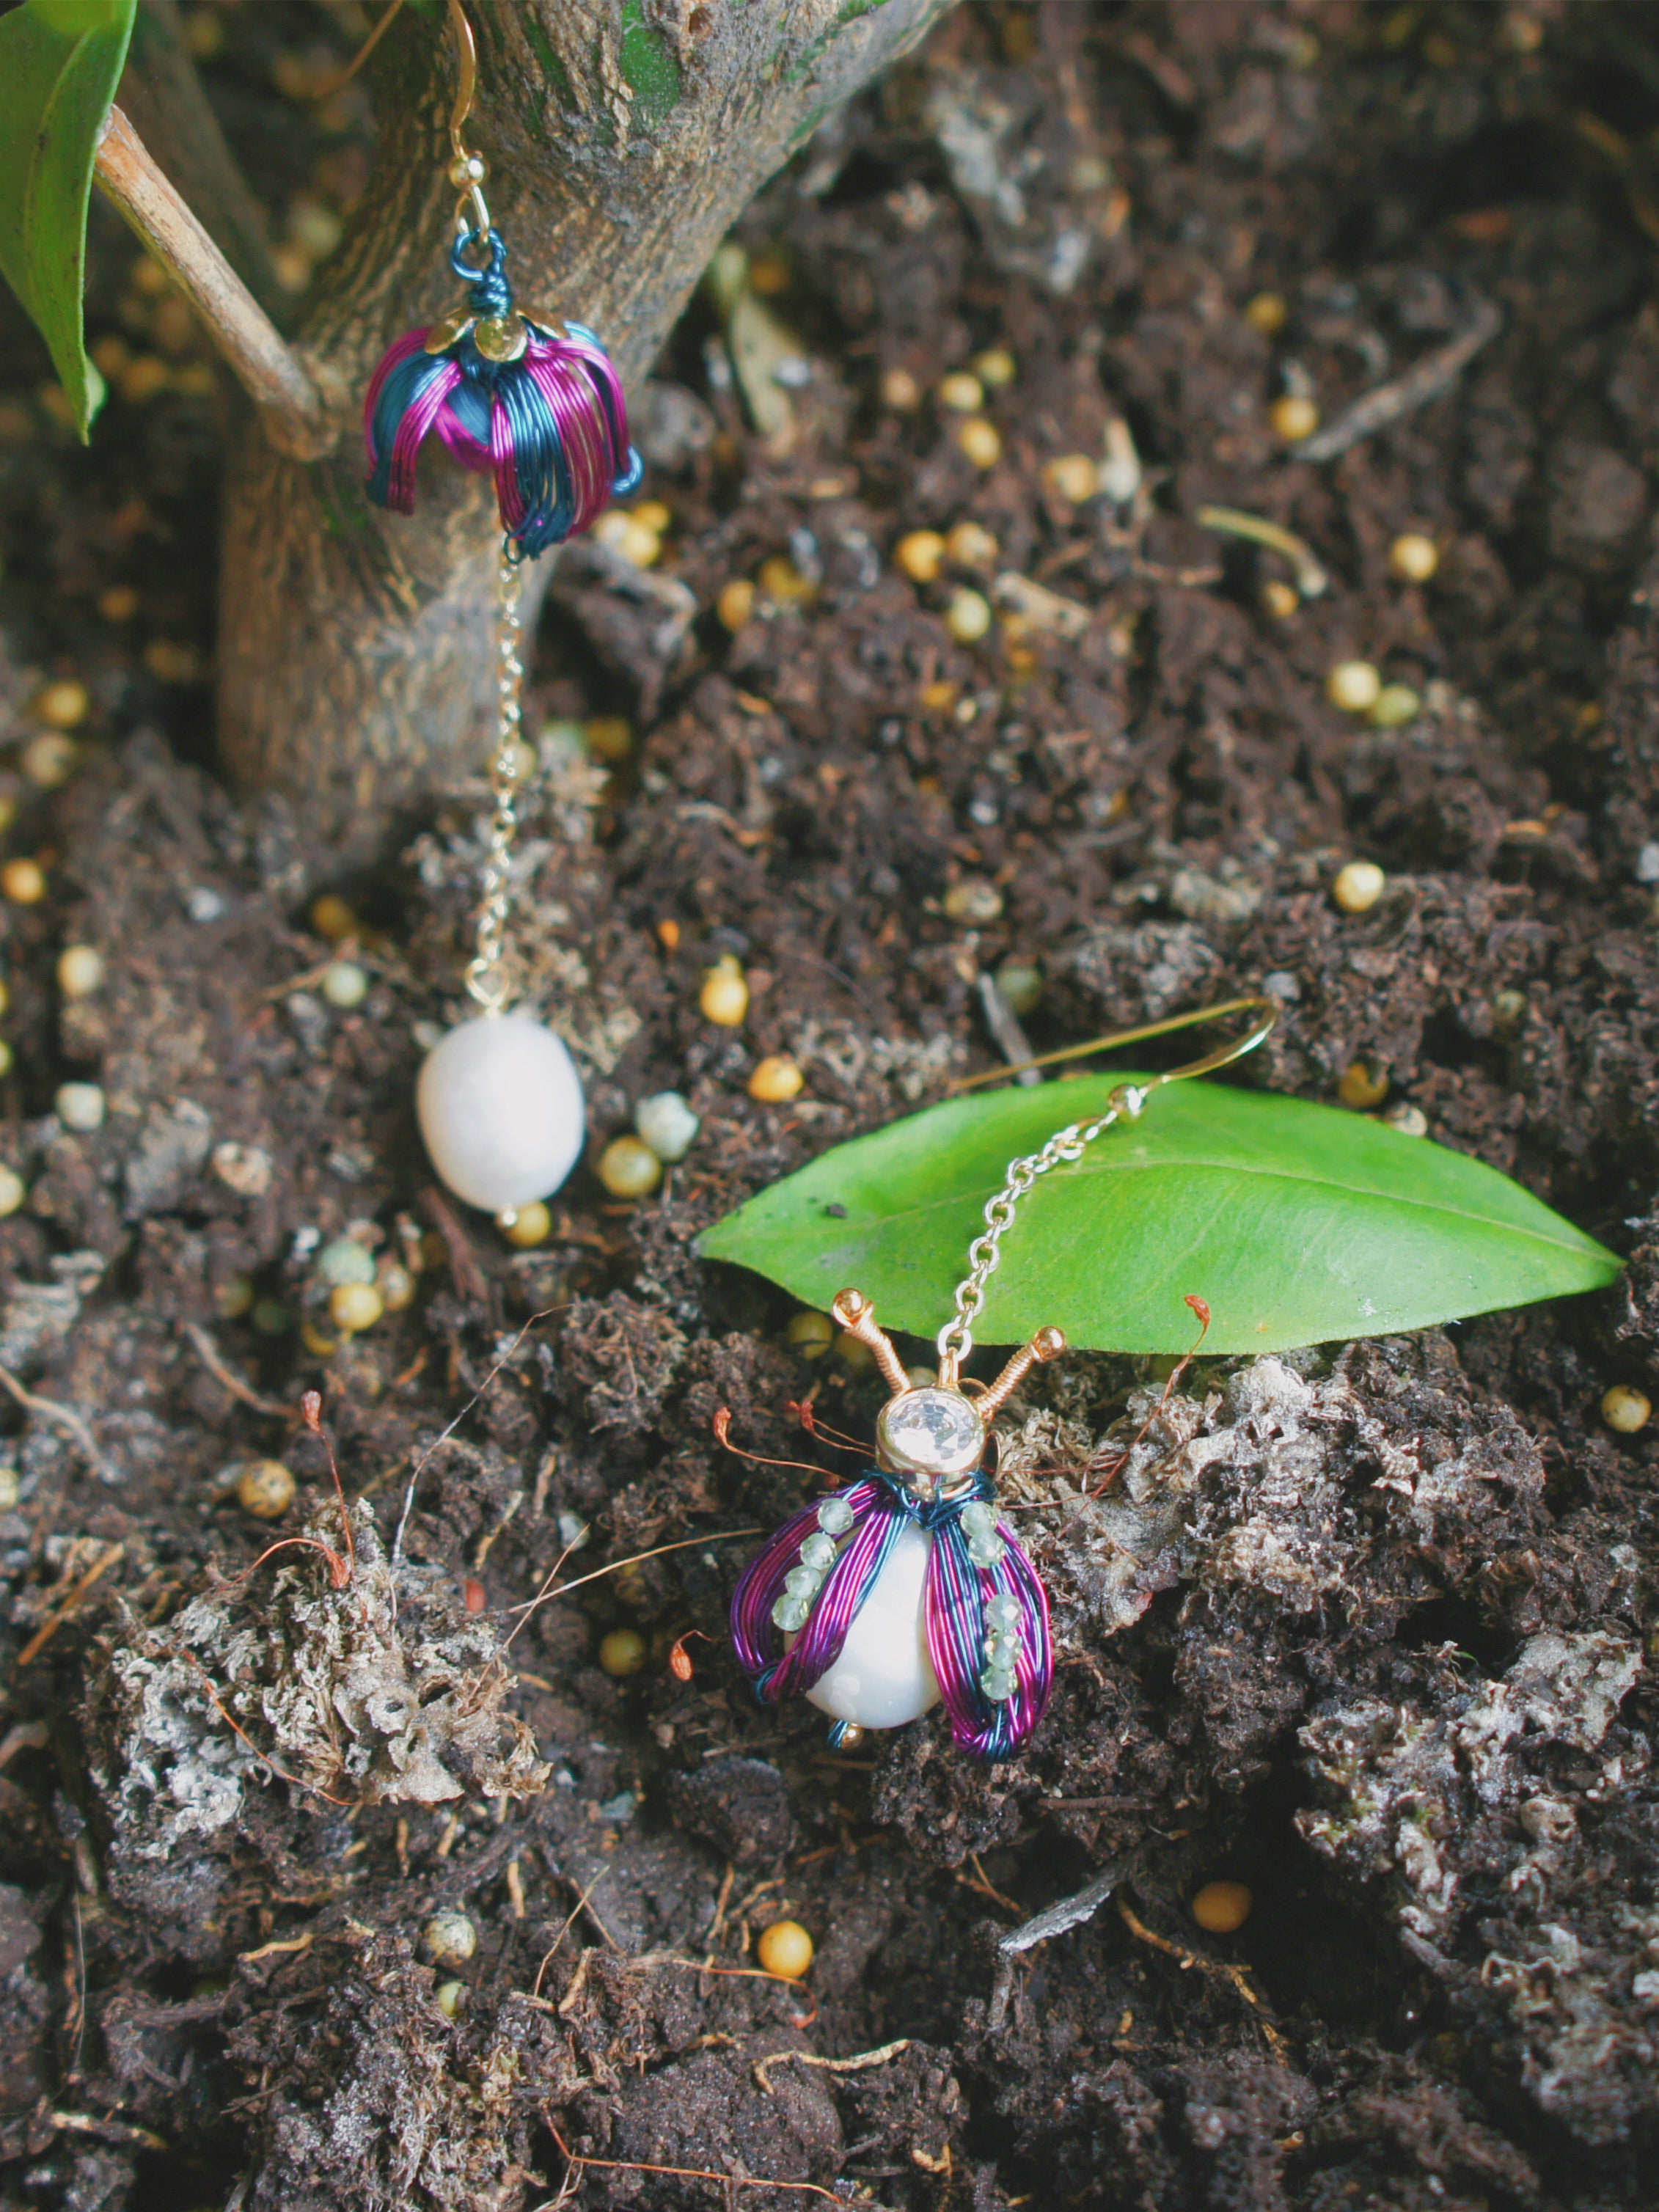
(298, 416)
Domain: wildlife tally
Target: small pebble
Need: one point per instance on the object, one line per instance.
(63, 705)
(962, 393)
(79, 1107)
(666, 1123)
(723, 997)
(1358, 886)
(780, 579)
(624, 534)
(49, 761)
(974, 900)
(1625, 1409)
(785, 1948)
(234, 1297)
(654, 515)
(1413, 557)
(900, 391)
(622, 1652)
(608, 737)
(971, 545)
(1354, 686)
(1268, 312)
(12, 1190)
(1073, 477)
(80, 970)
(345, 984)
(968, 618)
(448, 1997)
(1021, 985)
(450, 1938)
(1363, 1085)
(1293, 418)
(736, 604)
(24, 882)
(528, 1226)
(1220, 1908)
(356, 1306)
(1396, 704)
(265, 1488)
(920, 555)
(120, 603)
(995, 366)
(11, 1488)
(343, 1259)
(776, 1081)
(629, 1169)
(980, 442)
(1509, 1009)
(1409, 1121)
(396, 1285)
(812, 1334)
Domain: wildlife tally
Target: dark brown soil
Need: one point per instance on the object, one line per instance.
(1365, 1629)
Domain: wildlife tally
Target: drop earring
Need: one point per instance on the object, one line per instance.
(907, 1590)
(537, 403)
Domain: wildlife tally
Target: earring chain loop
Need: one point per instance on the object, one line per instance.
(486, 976)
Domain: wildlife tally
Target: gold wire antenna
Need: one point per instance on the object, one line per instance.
(1265, 1010)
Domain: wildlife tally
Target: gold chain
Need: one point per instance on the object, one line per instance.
(486, 975)
(1127, 1102)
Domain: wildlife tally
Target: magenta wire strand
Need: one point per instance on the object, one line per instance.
(957, 1595)
(584, 431)
(849, 1582)
(756, 1636)
(412, 435)
(394, 356)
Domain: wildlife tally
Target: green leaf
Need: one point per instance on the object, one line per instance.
(60, 62)
(1298, 1225)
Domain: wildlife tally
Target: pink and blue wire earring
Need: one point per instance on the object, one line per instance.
(906, 1591)
(537, 402)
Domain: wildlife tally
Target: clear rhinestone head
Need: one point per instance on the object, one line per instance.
(929, 1433)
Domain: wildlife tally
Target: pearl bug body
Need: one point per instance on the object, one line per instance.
(500, 1106)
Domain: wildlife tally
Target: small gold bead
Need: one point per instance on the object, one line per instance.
(80, 970)
(528, 1226)
(12, 1190)
(629, 1169)
(780, 579)
(1073, 477)
(332, 918)
(974, 901)
(736, 604)
(63, 705)
(608, 737)
(1279, 599)
(962, 393)
(1222, 1907)
(968, 618)
(1358, 886)
(265, 1488)
(49, 761)
(920, 555)
(971, 545)
(776, 1081)
(1395, 705)
(24, 882)
(1354, 686)
(724, 998)
(1625, 1409)
(786, 1949)
(355, 1306)
(1363, 1085)
(996, 367)
(1414, 557)
(1268, 312)
(812, 1335)
(980, 441)
(622, 1652)
(901, 391)
(1293, 418)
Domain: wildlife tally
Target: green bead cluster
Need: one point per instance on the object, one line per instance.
(979, 1525)
(1003, 1615)
(793, 1609)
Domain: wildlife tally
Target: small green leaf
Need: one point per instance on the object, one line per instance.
(60, 62)
(1298, 1225)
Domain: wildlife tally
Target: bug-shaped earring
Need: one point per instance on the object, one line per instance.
(537, 402)
(906, 1591)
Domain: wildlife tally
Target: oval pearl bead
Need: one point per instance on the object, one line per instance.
(884, 1676)
(499, 1105)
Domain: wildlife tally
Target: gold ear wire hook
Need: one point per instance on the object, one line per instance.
(467, 170)
(1266, 1011)
(466, 74)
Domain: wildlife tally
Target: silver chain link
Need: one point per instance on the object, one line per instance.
(956, 1339)
(486, 975)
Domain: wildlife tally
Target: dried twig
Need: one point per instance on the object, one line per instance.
(1222, 1969)
(856, 2064)
(208, 1352)
(94, 2123)
(62, 1417)
(579, 2159)
(1423, 380)
(1237, 522)
(544, 1595)
(72, 1597)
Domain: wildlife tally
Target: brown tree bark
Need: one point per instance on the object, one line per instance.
(623, 138)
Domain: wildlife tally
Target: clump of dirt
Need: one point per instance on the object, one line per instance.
(1365, 1629)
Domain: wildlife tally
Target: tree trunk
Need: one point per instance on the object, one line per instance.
(354, 653)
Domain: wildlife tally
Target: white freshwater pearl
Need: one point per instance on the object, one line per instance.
(499, 1105)
(884, 1676)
